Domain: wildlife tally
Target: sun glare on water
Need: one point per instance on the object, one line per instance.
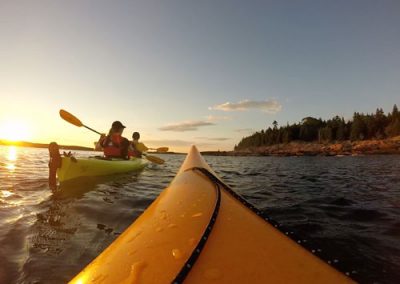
(15, 131)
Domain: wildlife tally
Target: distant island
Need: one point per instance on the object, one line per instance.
(364, 134)
(42, 145)
(376, 133)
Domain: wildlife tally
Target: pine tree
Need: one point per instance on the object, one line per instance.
(340, 132)
(395, 112)
(275, 124)
(393, 129)
(358, 128)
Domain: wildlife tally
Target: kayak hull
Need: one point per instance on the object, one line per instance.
(197, 231)
(72, 168)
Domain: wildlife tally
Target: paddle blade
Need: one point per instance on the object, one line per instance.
(155, 159)
(70, 118)
(141, 147)
(162, 149)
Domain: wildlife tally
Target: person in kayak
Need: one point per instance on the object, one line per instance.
(113, 144)
(54, 164)
(136, 148)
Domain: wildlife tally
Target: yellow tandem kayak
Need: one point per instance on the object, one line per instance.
(72, 168)
(199, 231)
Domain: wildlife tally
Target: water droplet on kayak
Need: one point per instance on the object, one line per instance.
(183, 215)
(172, 226)
(132, 252)
(192, 242)
(99, 278)
(134, 236)
(136, 271)
(212, 274)
(177, 254)
(159, 229)
(163, 215)
(197, 215)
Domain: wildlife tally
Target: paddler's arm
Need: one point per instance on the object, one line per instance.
(99, 146)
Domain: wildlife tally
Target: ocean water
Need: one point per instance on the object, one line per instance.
(348, 206)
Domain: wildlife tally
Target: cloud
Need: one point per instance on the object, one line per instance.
(186, 126)
(214, 138)
(192, 125)
(217, 118)
(269, 106)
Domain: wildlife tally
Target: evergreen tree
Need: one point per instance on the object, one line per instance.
(341, 131)
(395, 112)
(326, 134)
(357, 128)
(393, 129)
(275, 124)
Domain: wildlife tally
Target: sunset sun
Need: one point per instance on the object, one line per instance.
(15, 131)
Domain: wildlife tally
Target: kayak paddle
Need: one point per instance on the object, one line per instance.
(75, 121)
(154, 159)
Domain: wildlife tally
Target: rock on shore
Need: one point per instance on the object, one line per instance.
(366, 147)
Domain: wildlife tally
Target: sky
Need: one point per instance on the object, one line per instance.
(192, 72)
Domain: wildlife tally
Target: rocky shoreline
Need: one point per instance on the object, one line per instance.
(344, 148)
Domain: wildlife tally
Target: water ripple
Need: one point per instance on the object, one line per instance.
(349, 206)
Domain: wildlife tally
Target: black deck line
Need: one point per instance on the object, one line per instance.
(181, 276)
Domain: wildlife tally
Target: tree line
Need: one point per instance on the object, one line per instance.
(376, 125)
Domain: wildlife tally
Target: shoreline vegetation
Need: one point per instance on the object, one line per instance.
(301, 148)
(376, 133)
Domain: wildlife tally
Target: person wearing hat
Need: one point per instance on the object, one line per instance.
(113, 144)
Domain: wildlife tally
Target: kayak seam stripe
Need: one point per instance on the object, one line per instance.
(181, 276)
(283, 229)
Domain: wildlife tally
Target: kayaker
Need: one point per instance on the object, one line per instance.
(54, 164)
(113, 144)
(136, 148)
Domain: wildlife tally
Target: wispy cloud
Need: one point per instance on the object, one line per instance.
(269, 106)
(186, 125)
(214, 138)
(217, 118)
(192, 125)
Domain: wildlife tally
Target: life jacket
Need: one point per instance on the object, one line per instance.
(112, 145)
(137, 149)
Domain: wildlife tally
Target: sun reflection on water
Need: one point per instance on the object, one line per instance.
(12, 153)
(11, 157)
(10, 167)
(6, 193)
